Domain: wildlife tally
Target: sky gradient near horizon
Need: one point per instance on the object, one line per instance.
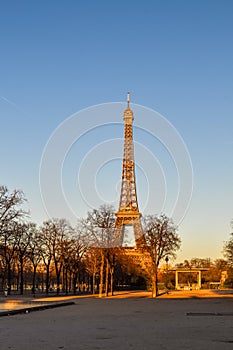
(175, 57)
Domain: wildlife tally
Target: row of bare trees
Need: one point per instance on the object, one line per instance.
(86, 255)
(65, 253)
(24, 247)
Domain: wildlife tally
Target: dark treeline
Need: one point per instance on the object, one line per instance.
(56, 257)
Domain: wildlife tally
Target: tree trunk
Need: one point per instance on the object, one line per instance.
(17, 278)
(9, 278)
(111, 279)
(34, 280)
(63, 282)
(21, 276)
(154, 294)
(58, 283)
(70, 281)
(154, 282)
(101, 275)
(66, 280)
(93, 283)
(106, 278)
(47, 278)
(75, 277)
(58, 275)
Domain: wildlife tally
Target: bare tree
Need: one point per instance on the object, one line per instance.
(11, 213)
(8, 246)
(55, 234)
(46, 250)
(92, 262)
(228, 250)
(75, 258)
(34, 252)
(161, 241)
(23, 237)
(99, 227)
(10, 206)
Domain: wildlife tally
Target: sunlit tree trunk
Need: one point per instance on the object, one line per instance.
(153, 282)
(111, 279)
(93, 283)
(101, 275)
(106, 278)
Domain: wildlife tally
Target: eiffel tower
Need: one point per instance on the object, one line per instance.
(128, 216)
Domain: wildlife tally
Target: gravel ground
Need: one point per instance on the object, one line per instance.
(125, 323)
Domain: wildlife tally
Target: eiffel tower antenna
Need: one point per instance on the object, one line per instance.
(128, 100)
(128, 215)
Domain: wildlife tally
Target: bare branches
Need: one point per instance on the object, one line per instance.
(161, 241)
(161, 237)
(98, 228)
(228, 250)
(10, 206)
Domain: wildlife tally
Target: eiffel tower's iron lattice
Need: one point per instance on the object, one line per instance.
(128, 215)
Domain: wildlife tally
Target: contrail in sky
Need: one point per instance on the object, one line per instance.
(12, 104)
(8, 101)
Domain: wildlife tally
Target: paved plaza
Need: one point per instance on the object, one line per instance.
(128, 321)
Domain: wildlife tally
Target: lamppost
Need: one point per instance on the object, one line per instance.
(166, 259)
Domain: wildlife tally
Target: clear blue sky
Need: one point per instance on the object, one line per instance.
(176, 57)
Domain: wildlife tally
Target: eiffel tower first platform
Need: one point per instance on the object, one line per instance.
(128, 216)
